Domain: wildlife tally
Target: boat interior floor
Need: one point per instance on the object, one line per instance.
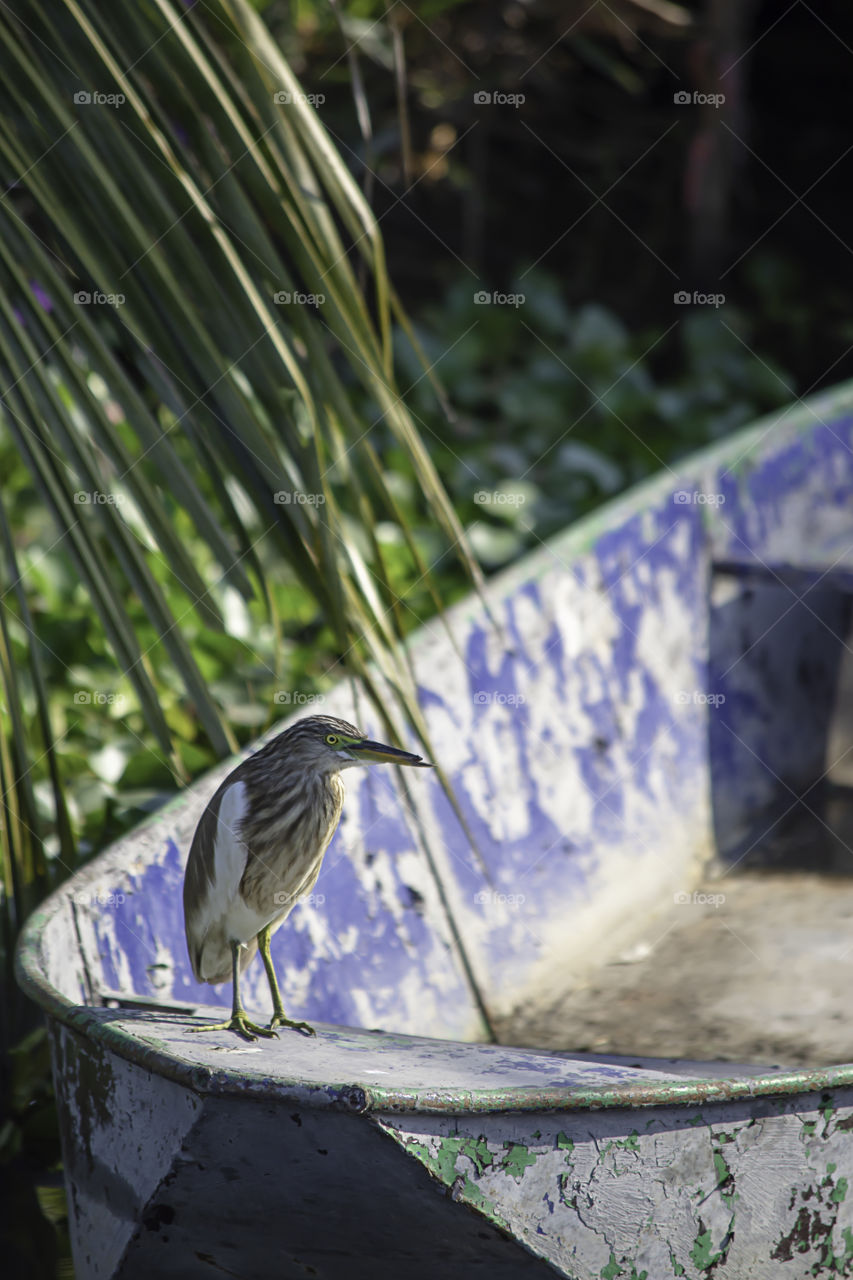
(753, 965)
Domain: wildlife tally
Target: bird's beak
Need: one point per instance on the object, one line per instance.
(378, 753)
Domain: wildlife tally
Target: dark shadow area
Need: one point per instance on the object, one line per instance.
(775, 668)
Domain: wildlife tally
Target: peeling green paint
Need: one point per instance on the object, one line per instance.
(701, 1254)
(828, 1112)
(817, 1243)
(443, 1163)
(631, 1143)
(477, 1151)
(442, 1166)
(725, 1181)
(838, 1264)
(472, 1195)
(839, 1191)
(517, 1159)
(564, 1187)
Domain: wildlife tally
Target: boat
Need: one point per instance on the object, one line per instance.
(631, 704)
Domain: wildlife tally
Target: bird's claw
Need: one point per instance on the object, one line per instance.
(242, 1025)
(280, 1020)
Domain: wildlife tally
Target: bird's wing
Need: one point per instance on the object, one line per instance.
(229, 851)
(214, 910)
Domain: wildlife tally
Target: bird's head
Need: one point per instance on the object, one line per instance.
(325, 744)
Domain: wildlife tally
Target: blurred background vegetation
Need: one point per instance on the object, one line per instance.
(143, 637)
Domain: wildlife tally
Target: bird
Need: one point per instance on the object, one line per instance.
(258, 849)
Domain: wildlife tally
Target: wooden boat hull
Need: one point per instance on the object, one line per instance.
(596, 779)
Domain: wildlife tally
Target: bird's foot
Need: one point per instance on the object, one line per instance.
(280, 1019)
(242, 1025)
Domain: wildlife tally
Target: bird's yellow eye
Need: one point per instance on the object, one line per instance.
(332, 739)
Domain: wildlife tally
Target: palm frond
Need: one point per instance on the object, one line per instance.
(182, 334)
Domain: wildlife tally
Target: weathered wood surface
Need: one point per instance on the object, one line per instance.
(596, 779)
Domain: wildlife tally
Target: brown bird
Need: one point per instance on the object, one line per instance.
(258, 849)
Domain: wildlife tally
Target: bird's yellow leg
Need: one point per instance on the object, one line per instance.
(239, 1020)
(279, 1017)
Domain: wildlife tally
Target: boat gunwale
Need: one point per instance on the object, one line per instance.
(356, 1098)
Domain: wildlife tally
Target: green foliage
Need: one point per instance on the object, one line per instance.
(559, 408)
(33, 1207)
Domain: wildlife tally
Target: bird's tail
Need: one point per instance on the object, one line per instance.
(211, 961)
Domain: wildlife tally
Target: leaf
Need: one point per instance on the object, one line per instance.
(161, 202)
